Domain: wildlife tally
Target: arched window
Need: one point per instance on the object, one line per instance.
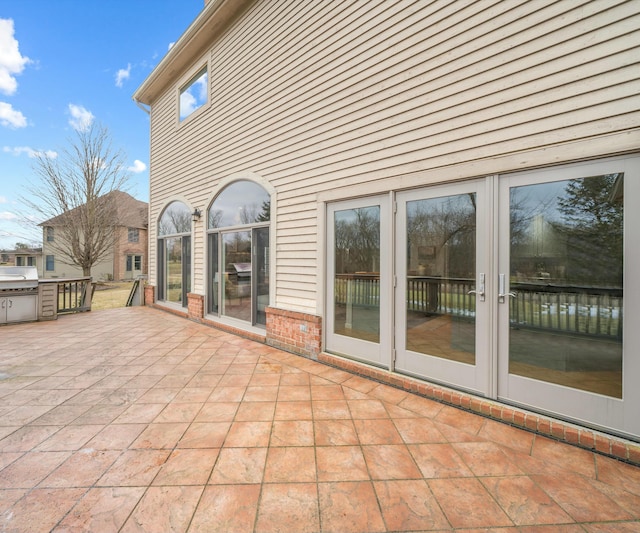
(174, 254)
(238, 235)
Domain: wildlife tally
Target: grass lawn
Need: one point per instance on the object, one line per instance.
(111, 295)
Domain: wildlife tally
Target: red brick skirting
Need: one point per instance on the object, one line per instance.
(149, 294)
(296, 332)
(549, 427)
(195, 306)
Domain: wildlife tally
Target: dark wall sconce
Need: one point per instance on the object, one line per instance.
(195, 216)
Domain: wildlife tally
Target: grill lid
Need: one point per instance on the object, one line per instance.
(13, 277)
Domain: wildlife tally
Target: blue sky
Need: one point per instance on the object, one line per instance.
(67, 61)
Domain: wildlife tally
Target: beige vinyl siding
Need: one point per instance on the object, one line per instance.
(334, 99)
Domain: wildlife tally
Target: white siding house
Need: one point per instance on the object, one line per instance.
(442, 191)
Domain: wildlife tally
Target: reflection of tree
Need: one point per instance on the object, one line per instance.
(357, 241)
(593, 228)
(265, 214)
(248, 213)
(448, 227)
(215, 217)
(175, 219)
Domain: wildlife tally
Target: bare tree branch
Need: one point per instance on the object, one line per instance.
(73, 195)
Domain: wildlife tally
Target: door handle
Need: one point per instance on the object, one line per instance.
(480, 290)
(501, 290)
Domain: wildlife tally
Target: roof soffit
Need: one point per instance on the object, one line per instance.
(210, 24)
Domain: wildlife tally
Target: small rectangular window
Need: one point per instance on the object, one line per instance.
(49, 234)
(19, 261)
(134, 234)
(137, 262)
(31, 261)
(50, 264)
(194, 94)
(128, 263)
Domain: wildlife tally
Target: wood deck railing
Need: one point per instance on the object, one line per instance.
(74, 294)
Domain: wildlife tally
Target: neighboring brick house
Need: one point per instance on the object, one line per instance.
(129, 257)
(447, 191)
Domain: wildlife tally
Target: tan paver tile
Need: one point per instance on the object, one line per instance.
(341, 463)
(226, 508)
(290, 465)
(349, 507)
(101, 509)
(40, 510)
(466, 503)
(239, 465)
(164, 509)
(187, 467)
(134, 468)
(524, 501)
(409, 505)
(301, 503)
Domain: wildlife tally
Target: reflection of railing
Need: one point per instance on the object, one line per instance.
(441, 296)
(567, 308)
(563, 308)
(360, 289)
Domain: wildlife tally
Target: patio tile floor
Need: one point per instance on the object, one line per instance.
(135, 420)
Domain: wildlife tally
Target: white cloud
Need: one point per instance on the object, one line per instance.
(137, 167)
(81, 118)
(10, 117)
(3, 199)
(171, 45)
(6, 215)
(123, 74)
(11, 61)
(19, 150)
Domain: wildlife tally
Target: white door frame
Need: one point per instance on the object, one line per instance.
(588, 408)
(378, 354)
(478, 377)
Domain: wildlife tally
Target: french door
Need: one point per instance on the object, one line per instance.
(522, 287)
(568, 292)
(359, 280)
(239, 274)
(442, 300)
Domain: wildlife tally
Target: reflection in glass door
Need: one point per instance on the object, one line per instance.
(566, 290)
(567, 287)
(173, 274)
(440, 277)
(441, 327)
(358, 321)
(261, 274)
(236, 281)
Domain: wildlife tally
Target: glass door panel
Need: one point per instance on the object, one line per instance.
(566, 280)
(440, 275)
(173, 269)
(236, 280)
(214, 274)
(261, 274)
(358, 321)
(568, 284)
(356, 303)
(442, 322)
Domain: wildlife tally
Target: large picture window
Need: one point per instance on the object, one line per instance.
(238, 235)
(174, 254)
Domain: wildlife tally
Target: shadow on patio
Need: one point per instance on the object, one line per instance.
(133, 419)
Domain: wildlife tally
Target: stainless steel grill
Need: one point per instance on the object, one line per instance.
(18, 294)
